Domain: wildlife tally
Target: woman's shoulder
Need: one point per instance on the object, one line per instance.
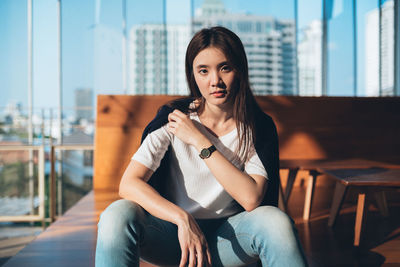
(161, 117)
(264, 119)
(265, 128)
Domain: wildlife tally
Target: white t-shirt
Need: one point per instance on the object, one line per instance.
(192, 186)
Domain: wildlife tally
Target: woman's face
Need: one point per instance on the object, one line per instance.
(213, 75)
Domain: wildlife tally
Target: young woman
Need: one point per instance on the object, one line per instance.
(202, 188)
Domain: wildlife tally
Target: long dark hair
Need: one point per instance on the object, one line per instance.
(243, 101)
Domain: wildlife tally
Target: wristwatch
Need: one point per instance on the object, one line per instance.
(206, 152)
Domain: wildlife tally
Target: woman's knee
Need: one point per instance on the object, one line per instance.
(276, 236)
(271, 214)
(272, 221)
(120, 216)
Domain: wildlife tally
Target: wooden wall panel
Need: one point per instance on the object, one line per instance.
(336, 127)
(308, 128)
(120, 122)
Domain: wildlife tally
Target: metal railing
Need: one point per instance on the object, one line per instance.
(41, 184)
(53, 159)
(53, 191)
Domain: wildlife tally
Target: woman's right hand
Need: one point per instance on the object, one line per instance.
(193, 244)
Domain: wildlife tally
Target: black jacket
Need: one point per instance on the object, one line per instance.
(266, 146)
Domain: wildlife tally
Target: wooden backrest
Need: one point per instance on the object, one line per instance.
(120, 122)
(308, 128)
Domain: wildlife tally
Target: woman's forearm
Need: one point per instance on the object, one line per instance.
(248, 191)
(135, 189)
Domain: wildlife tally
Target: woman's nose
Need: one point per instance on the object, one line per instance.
(215, 78)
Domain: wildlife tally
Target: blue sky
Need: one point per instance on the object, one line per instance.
(85, 64)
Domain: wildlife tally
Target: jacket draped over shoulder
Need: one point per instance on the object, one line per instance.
(266, 146)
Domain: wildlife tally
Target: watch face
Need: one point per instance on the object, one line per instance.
(205, 153)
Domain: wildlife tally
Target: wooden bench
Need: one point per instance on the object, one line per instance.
(308, 127)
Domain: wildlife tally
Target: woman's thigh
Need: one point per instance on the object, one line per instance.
(265, 233)
(126, 231)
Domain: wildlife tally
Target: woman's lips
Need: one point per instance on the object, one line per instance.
(219, 93)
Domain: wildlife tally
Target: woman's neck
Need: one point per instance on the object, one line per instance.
(216, 118)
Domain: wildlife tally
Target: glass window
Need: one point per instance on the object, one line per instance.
(387, 46)
(367, 48)
(375, 47)
(309, 47)
(340, 48)
(146, 35)
(45, 54)
(178, 26)
(89, 62)
(13, 71)
(397, 40)
(104, 44)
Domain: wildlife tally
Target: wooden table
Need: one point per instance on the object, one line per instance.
(368, 181)
(314, 168)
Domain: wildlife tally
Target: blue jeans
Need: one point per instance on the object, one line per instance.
(126, 232)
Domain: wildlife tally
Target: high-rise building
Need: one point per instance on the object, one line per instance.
(157, 51)
(156, 59)
(309, 52)
(178, 37)
(387, 48)
(84, 104)
(379, 51)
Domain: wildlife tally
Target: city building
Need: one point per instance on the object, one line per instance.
(156, 59)
(309, 51)
(379, 52)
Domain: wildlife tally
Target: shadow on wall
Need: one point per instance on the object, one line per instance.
(335, 127)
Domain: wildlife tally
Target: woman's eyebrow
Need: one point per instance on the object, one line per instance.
(201, 66)
(223, 63)
(206, 66)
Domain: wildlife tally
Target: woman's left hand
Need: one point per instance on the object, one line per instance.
(183, 127)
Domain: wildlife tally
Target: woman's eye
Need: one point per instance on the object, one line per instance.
(226, 68)
(203, 71)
